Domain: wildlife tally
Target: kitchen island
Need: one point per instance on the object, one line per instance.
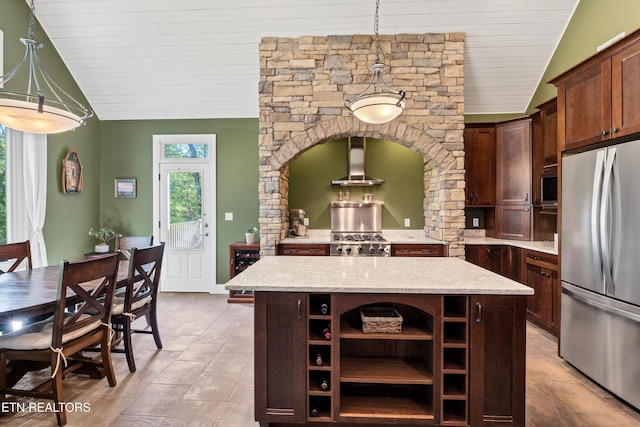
(457, 359)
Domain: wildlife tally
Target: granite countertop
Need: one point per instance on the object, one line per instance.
(446, 275)
(418, 237)
(393, 236)
(540, 246)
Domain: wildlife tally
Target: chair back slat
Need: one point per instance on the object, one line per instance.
(124, 244)
(16, 252)
(93, 282)
(144, 274)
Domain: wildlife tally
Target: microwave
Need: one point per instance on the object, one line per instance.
(549, 189)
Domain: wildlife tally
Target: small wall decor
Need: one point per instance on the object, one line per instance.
(125, 188)
(72, 174)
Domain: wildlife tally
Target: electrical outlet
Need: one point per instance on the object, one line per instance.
(305, 221)
(476, 222)
(407, 222)
(228, 216)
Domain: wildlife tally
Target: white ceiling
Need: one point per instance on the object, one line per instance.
(168, 59)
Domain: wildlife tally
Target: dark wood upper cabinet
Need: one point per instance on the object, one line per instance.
(513, 159)
(549, 115)
(625, 91)
(544, 146)
(597, 99)
(480, 165)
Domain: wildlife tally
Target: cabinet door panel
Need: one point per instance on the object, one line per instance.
(480, 166)
(497, 361)
(550, 124)
(513, 159)
(514, 222)
(625, 91)
(587, 106)
(475, 254)
(280, 353)
(536, 303)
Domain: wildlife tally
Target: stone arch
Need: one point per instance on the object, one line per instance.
(439, 163)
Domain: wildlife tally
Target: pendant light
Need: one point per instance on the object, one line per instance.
(45, 107)
(384, 104)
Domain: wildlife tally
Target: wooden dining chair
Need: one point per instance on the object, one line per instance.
(16, 253)
(125, 243)
(139, 298)
(87, 286)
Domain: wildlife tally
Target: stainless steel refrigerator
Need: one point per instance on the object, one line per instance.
(600, 267)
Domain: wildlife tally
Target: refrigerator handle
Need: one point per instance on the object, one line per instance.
(596, 199)
(605, 220)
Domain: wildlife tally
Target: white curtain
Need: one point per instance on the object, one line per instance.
(27, 191)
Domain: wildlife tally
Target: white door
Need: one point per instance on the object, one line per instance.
(185, 198)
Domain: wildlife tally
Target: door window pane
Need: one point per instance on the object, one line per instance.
(185, 210)
(186, 151)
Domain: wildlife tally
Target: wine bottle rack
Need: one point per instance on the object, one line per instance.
(455, 361)
(320, 375)
(241, 257)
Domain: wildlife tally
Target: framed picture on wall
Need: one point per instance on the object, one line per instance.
(125, 188)
(72, 173)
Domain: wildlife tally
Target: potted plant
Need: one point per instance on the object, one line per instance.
(250, 235)
(103, 235)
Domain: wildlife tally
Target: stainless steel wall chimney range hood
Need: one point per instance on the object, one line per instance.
(356, 166)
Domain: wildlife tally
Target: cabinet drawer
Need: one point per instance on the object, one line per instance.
(541, 259)
(303, 249)
(417, 250)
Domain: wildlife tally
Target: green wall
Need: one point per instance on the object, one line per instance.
(126, 150)
(68, 217)
(311, 174)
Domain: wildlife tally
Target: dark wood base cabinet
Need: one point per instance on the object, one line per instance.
(459, 360)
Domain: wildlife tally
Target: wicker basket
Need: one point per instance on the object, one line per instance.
(385, 320)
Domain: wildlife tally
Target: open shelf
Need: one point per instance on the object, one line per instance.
(409, 332)
(381, 370)
(385, 407)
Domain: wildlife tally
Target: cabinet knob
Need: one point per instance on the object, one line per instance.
(604, 132)
(614, 130)
(476, 197)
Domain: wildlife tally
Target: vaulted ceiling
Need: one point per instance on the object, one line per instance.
(168, 59)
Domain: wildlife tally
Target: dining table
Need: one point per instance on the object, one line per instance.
(32, 294)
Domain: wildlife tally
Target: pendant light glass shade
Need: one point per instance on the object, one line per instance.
(45, 108)
(377, 107)
(382, 105)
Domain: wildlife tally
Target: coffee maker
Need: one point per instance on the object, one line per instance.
(296, 217)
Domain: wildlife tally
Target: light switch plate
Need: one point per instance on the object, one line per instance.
(228, 216)
(305, 221)
(476, 222)
(407, 222)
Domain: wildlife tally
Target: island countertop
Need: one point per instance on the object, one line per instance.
(428, 275)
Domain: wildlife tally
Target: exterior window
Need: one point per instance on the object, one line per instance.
(186, 151)
(3, 185)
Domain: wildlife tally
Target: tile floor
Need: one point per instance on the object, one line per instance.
(204, 377)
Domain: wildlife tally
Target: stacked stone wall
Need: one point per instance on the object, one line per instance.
(303, 85)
